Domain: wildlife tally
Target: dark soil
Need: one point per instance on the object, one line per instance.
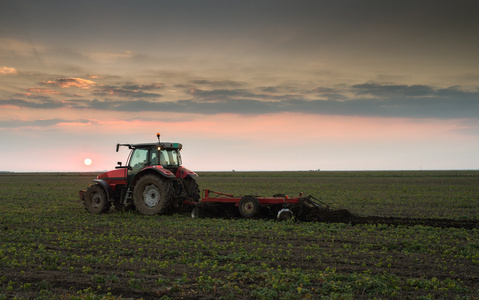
(443, 223)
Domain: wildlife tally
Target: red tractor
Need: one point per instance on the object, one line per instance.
(153, 181)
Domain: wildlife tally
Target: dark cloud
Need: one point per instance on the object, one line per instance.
(142, 105)
(71, 82)
(38, 123)
(327, 93)
(455, 92)
(184, 86)
(280, 89)
(35, 96)
(31, 104)
(128, 92)
(380, 90)
(147, 87)
(222, 95)
(217, 83)
(270, 89)
(372, 99)
(327, 90)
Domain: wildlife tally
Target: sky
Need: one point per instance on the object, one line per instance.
(243, 85)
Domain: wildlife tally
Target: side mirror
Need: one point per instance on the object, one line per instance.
(120, 166)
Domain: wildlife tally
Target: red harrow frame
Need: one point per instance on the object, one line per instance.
(279, 206)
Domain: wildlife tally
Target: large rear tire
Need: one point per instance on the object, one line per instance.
(192, 189)
(151, 195)
(95, 200)
(248, 206)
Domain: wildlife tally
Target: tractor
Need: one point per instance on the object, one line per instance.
(153, 181)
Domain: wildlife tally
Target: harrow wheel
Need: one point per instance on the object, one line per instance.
(95, 200)
(285, 215)
(248, 206)
(151, 195)
(195, 213)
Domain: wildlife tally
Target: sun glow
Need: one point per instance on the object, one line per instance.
(87, 161)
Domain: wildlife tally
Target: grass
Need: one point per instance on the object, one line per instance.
(52, 248)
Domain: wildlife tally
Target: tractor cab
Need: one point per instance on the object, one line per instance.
(168, 156)
(157, 155)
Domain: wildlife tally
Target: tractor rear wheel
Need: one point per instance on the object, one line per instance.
(95, 200)
(151, 195)
(248, 206)
(191, 188)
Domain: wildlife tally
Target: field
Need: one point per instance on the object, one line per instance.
(51, 248)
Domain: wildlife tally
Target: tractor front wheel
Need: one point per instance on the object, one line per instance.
(95, 200)
(248, 206)
(151, 195)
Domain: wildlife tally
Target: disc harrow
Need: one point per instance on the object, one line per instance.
(302, 208)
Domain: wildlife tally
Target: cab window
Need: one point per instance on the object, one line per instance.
(139, 159)
(169, 158)
(154, 158)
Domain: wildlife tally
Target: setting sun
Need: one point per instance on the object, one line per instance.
(87, 161)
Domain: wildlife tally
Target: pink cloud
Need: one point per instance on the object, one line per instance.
(41, 91)
(8, 71)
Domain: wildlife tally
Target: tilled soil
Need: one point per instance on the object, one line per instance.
(443, 223)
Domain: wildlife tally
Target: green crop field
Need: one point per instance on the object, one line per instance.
(52, 248)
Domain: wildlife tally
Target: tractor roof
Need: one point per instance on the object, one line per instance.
(163, 145)
(167, 145)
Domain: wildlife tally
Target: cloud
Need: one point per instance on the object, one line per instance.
(422, 108)
(39, 123)
(368, 99)
(147, 87)
(44, 94)
(222, 95)
(128, 92)
(31, 104)
(218, 83)
(71, 82)
(42, 91)
(379, 90)
(34, 96)
(8, 71)
(219, 94)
